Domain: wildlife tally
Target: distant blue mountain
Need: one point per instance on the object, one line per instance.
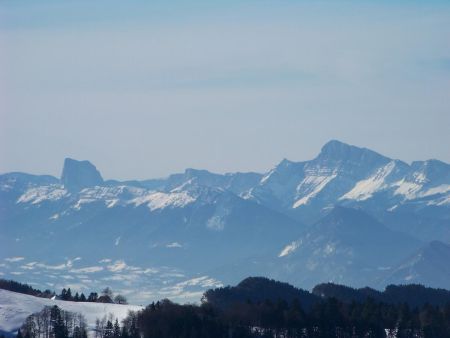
(350, 215)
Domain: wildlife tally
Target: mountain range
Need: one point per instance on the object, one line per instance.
(350, 215)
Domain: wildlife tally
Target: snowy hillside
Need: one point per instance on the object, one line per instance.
(16, 307)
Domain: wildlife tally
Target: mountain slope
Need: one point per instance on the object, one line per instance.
(428, 266)
(198, 223)
(346, 246)
(352, 176)
(169, 228)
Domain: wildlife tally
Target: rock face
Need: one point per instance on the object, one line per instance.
(77, 175)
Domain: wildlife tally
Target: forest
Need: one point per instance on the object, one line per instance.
(259, 307)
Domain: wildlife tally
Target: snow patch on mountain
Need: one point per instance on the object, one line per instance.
(267, 176)
(174, 245)
(441, 189)
(290, 248)
(365, 189)
(407, 189)
(161, 200)
(112, 203)
(14, 259)
(44, 193)
(440, 201)
(311, 186)
(110, 196)
(82, 201)
(412, 190)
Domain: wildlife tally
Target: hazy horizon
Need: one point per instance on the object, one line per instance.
(144, 90)
(186, 168)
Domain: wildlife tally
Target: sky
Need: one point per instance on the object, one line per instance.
(147, 88)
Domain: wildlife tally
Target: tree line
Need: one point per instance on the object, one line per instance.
(105, 296)
(52, 322)
(276, 319)
(280, 319)
(413, 294)
(259, 307)
(26, 289)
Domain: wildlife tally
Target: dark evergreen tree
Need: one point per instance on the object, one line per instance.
(116, 332)
(93, 296)
(109, 330)
(59, 327)
(124, 332)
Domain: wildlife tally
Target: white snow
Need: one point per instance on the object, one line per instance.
(409, 277)
(174, 245)
(16, 307)
(43, 193)
(288, 249)
(408, 189)
(183, 186)
(110, 193)
(392, 208)
(312, 185)
(82, 201)
(440, 201)
(111, 203)
(161, 200)
(14, 259)
(445, 201)
(420, 177)
(111, 196)
(267, 176)
(440, 189)
(365, 189)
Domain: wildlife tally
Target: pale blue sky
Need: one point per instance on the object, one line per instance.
(143, 90)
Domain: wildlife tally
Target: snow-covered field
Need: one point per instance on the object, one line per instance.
(16, 307)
